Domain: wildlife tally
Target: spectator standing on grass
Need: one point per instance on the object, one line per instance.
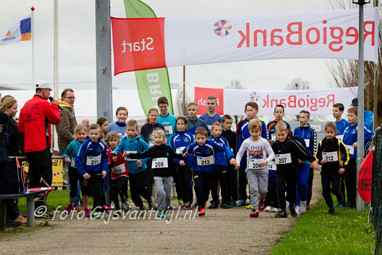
(65, 129)
(35, 119)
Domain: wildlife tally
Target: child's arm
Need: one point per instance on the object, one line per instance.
(303, 153)
(319, 154)
(270, 152)
(119, 149)
(78, 159)
(146, 154)
(104, 163)
(345, 154)
(240, 154)
(67, 153)
(314, 141)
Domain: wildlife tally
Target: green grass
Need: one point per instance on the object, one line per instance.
(316, 232)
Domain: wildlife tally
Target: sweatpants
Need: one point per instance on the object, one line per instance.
(220, 175)
(286, 181)
(258, 185)
(119, 189)
(203, 183)
(330, 184)
(138, 188)
(163, 186)
(302, 182)
(93, 187)
(350, 176)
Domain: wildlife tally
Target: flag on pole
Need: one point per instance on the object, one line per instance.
(19, 32)
(153, 83)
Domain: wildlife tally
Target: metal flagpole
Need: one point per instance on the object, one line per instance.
(32, 31)
(184, 90)
(55, 56)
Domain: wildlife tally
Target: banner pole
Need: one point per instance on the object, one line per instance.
(184, 90)
(32, 31)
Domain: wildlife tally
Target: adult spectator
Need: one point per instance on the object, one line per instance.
(368, 116)
(68, 122)
(210, 117)
(86, 122)
(35, 119)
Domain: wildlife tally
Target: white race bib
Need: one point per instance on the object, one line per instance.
(168, 130)
(179, 150)
(205, 161)
(93, 161)
(330, 156)
(350, 149)
(282, 159)
(159, 163)
(340, 137)
(254, 163)
(73, 163)
(273, 137)
(129, 159)
(118, 169)
(307, 142)
(209, 127)
(272, 165)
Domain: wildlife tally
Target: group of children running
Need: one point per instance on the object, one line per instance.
(205, 154)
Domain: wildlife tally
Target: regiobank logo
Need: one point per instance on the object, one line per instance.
(222, 27)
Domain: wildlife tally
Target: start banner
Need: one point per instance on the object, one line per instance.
(317, 102)
(147, 43)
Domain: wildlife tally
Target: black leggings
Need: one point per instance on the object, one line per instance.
(74, 177)
(119, 187)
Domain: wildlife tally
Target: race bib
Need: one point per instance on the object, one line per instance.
(282, 159)
(350, 149)
(168, 130)
(93, 160)
(254, 163)
(307, 142)
(73, 163)
(209, 127)
(129, 159)
(179, 150)
(330, 156)
(159, 163)
(118, 169)
(205, 161)
(273, 137)
(340, 137)
(272, 166)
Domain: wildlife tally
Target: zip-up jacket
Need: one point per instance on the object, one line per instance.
(222, 157)
(309, 135)
(34, 121)
(335, 153)
(243, 133)
(71, 151)
(287, 154)
(192, 125)
(271, 127)
(91, 157)
(147, 129)
(134, 145)
(162, 159)
(65, 130)
(350, 137)
(203, 158)
(180, 141)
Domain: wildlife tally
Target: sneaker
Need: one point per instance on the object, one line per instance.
(201, 212)
(125, 207)
(275, 209)
(292, 212)
(21, 219)
(281, 214)
(338, 205)
(225, 206)
(298, 210)
(95, 215)
(241, 203)
(180, 202)
(233, 204)
(87, 212)
(12, 224)
(106, 207)
(68, 209)
(331, 211)
(261, 204)
(163, 214)
(187, 206)
(213, 206)
(169, 207)
(303, 207)
(249, 207)
(254, 213)
(195, 204)
(268, 208)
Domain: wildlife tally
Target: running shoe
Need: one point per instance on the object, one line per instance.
(261, 204)
(254, 213)
(249, 207)
(201, 212)
(292, 212)
(241, 203)
(68, 209)
(281, 214)
(87, 212)
(268, 208)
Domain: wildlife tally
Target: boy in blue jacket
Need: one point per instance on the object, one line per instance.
(132, 143)
(221, 173)
(350, 141)
(203, 162)
(91, 162)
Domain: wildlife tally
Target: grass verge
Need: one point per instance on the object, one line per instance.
(316, 232)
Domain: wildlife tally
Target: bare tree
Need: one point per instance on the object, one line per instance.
(298, 84)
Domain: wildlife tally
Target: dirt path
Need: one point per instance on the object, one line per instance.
(228, 231)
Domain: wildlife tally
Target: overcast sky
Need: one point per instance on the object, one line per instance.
(77, 67)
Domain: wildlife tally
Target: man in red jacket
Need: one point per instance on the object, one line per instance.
(34, 121)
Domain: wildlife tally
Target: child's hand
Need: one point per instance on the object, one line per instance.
(114, 158)
(103, 174)
(263, 163)
(237, 166)
(341, 171)
(139, 163)
(314, 165)
(86, 176)
(300, 161)
(355, 145)
(181, 163)
(323, 161)
(113, 153)
(185, 155)
(233, 161)
(67, 160)
(126, 154)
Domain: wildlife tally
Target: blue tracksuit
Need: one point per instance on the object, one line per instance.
(180, 141)
(91, 157)
(350, 137)
(341, 125)
(134, 145)
(192, 125)
(309, 135)
(243, 132)
(222, 157)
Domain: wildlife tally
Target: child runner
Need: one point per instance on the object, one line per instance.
(80, 132)
(287, 154)
(132, 143)
(183, 175)
(91, 162)
(104, 125)
(162, 165)
(166, 119)
(193, 122)
(120, 125)
(203, 163)
(119, 174)
(259, 154)
(210, 117)
(333, 156)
